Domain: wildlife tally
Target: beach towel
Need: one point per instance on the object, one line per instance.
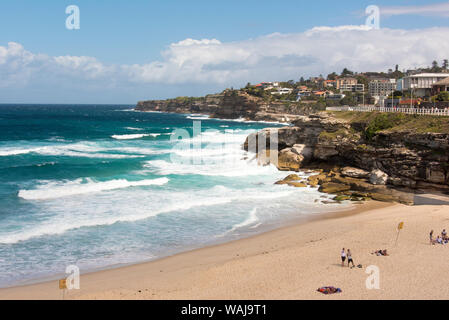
(329, 290)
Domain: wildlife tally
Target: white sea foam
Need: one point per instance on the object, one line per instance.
(126, 110)
(69, 150)
(134, 129)
(129, 136)
(134, 205)
(251, 220)
(138, 151)
(222, 155)
(222, 168)
(236, 137)
(46, 164)
(132, 212)
(198, 117)
(60, 225)
(53, 190)
(13, 152)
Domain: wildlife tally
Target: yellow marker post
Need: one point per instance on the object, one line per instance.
(63, 287)
(400, 227)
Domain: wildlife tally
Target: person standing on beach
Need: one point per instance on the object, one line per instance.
(343, 257)
(350, 258)
(431, 237)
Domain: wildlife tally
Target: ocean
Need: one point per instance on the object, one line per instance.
(99, 186)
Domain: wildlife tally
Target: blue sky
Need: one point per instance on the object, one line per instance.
(128, 39)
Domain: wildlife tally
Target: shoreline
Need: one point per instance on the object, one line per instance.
(184, 261)
(281, 224)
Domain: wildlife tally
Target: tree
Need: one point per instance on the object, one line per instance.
(332, 76)
(397, 93)
(435, 67)
(397, 74)
(348, 99)
(301, 80)
(445, 64)
(363, 80)
(346, 72)
(443, 96)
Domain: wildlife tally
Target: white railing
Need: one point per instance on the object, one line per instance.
(419, 111)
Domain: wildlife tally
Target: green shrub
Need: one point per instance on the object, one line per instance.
(381, 122)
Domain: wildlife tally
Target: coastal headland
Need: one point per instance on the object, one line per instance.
(385, 157)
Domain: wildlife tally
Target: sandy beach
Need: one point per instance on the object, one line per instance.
(288, 263)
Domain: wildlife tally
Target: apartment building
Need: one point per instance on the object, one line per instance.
(349, 84)
(382, 87)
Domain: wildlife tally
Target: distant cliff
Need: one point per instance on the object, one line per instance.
(230, 104)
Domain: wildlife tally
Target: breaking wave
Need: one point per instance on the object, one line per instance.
(129, 136)
(53, 190)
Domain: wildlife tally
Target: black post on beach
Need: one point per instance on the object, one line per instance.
(400, 227)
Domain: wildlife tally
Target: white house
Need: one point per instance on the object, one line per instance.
(283, 91)
(421, 84)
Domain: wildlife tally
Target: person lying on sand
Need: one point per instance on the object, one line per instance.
(329, 290)
(381, 253)
(444, 234)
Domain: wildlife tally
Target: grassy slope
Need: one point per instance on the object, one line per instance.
(396, 122)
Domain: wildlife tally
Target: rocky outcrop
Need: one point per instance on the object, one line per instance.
(293, 180)
(289, 160)
(378, 177)
(354, 173)
(400, 159)
(347, 188)
(230, 104)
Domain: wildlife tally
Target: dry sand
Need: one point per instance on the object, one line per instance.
(288, 263)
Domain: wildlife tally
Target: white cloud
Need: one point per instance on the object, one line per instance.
(19, 67)
(436, 9)
(190, 42)
(83, 66)
(209, 61)
(287, 56)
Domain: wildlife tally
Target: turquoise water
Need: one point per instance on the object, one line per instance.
(99, 186)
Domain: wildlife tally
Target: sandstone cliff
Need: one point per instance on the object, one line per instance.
(411, 159)
(230, 104)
